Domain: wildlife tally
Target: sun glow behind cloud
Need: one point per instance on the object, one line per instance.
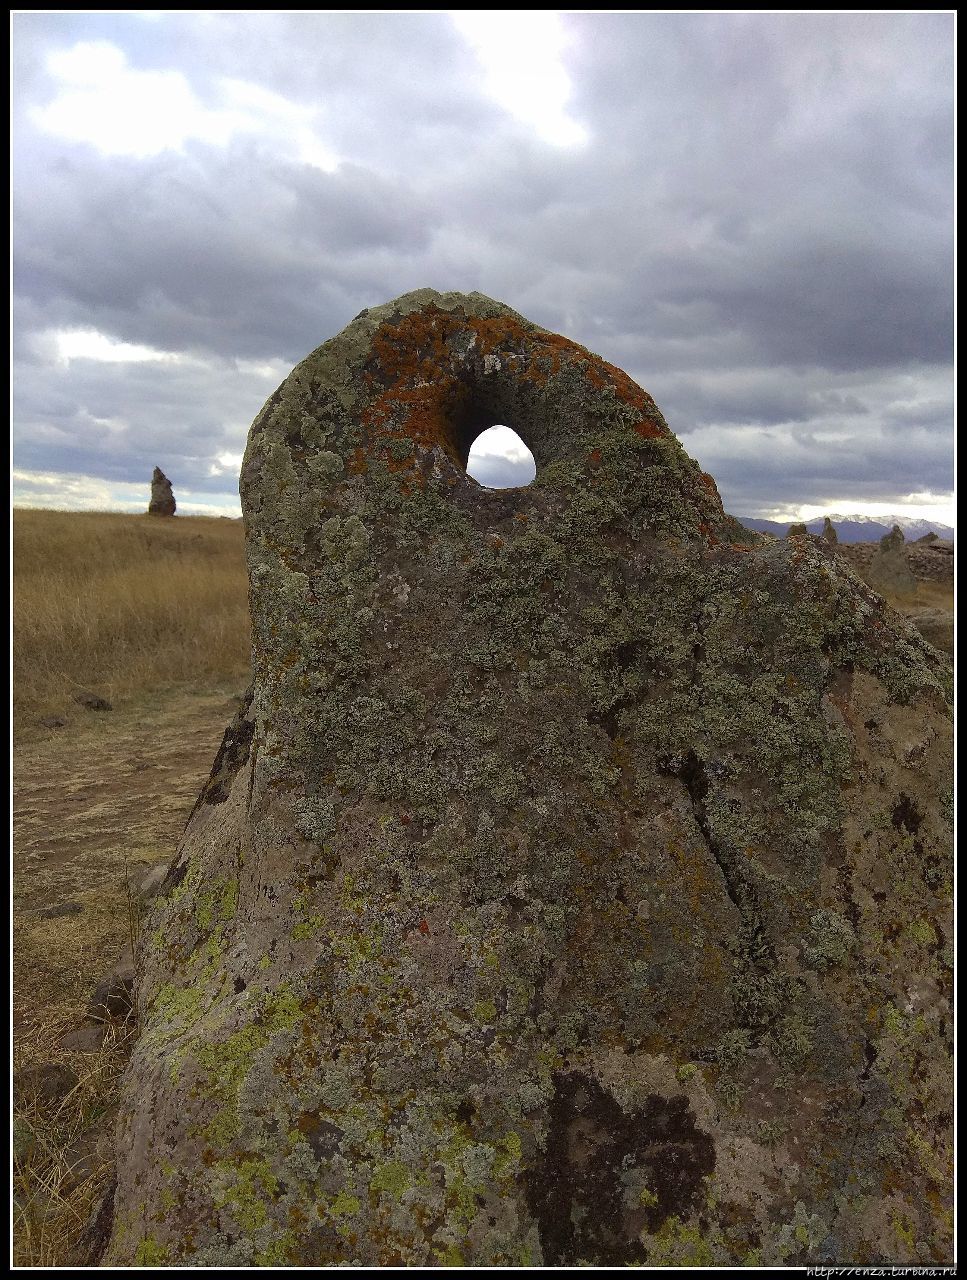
(521, 56)
(938, 507)
(918, 506)
(103, 101)
(89, 344)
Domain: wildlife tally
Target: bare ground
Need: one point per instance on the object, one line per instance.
(95, 803)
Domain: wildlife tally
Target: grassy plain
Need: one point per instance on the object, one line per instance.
(119, 604)
(151, 614)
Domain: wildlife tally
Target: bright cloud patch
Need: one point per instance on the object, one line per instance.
(104, 101)
(88, 344)
(916, 506)
(226, 462)
(521, 57)
(499, 459)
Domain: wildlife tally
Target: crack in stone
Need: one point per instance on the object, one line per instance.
(756, 952)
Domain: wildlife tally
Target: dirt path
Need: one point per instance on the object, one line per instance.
(94, 803)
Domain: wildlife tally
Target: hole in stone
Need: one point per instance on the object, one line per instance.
(499, 459)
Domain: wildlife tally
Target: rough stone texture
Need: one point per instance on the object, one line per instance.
(829, 533)
(84, 1039)
(937, 626)
(151, 882)
(162, 499)
(798, 530)
(575, 883)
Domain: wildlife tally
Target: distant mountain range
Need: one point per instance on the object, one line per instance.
(856, 528)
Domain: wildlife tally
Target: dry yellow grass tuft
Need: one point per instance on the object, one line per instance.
(62, 1155)
(124, 603)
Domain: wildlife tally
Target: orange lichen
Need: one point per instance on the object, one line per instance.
(648, 430)
(422, 384)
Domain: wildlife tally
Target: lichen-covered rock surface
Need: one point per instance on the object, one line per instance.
(575, 885)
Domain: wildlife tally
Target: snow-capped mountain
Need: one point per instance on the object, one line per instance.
(857, 528)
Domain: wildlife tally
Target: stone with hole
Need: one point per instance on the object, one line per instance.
(573, 887)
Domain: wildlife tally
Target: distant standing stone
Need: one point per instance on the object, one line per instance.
(798, 530)
(892, 541)
(829, 533)
(889, 570)
(162, 499)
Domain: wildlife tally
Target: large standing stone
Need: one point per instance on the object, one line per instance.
(575, 884)
(829, 532)
(162, 499)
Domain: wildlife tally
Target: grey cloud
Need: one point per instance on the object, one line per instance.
(755, 468)
(502, 473)
(183, 416)
(759, 231)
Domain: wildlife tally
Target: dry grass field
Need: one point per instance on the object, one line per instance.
(120, 604)
(152, 615)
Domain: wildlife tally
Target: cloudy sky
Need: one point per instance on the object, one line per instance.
(750, 213)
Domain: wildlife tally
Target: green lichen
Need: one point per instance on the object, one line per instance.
(550, 782)
(677, 1244)
(250, 1184)
(150, 1254)
(344, 1206)
(922, 931)
(833, 940)
(393, 1177)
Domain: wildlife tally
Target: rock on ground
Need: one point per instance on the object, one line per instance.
(92, 701)
(574, 885)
